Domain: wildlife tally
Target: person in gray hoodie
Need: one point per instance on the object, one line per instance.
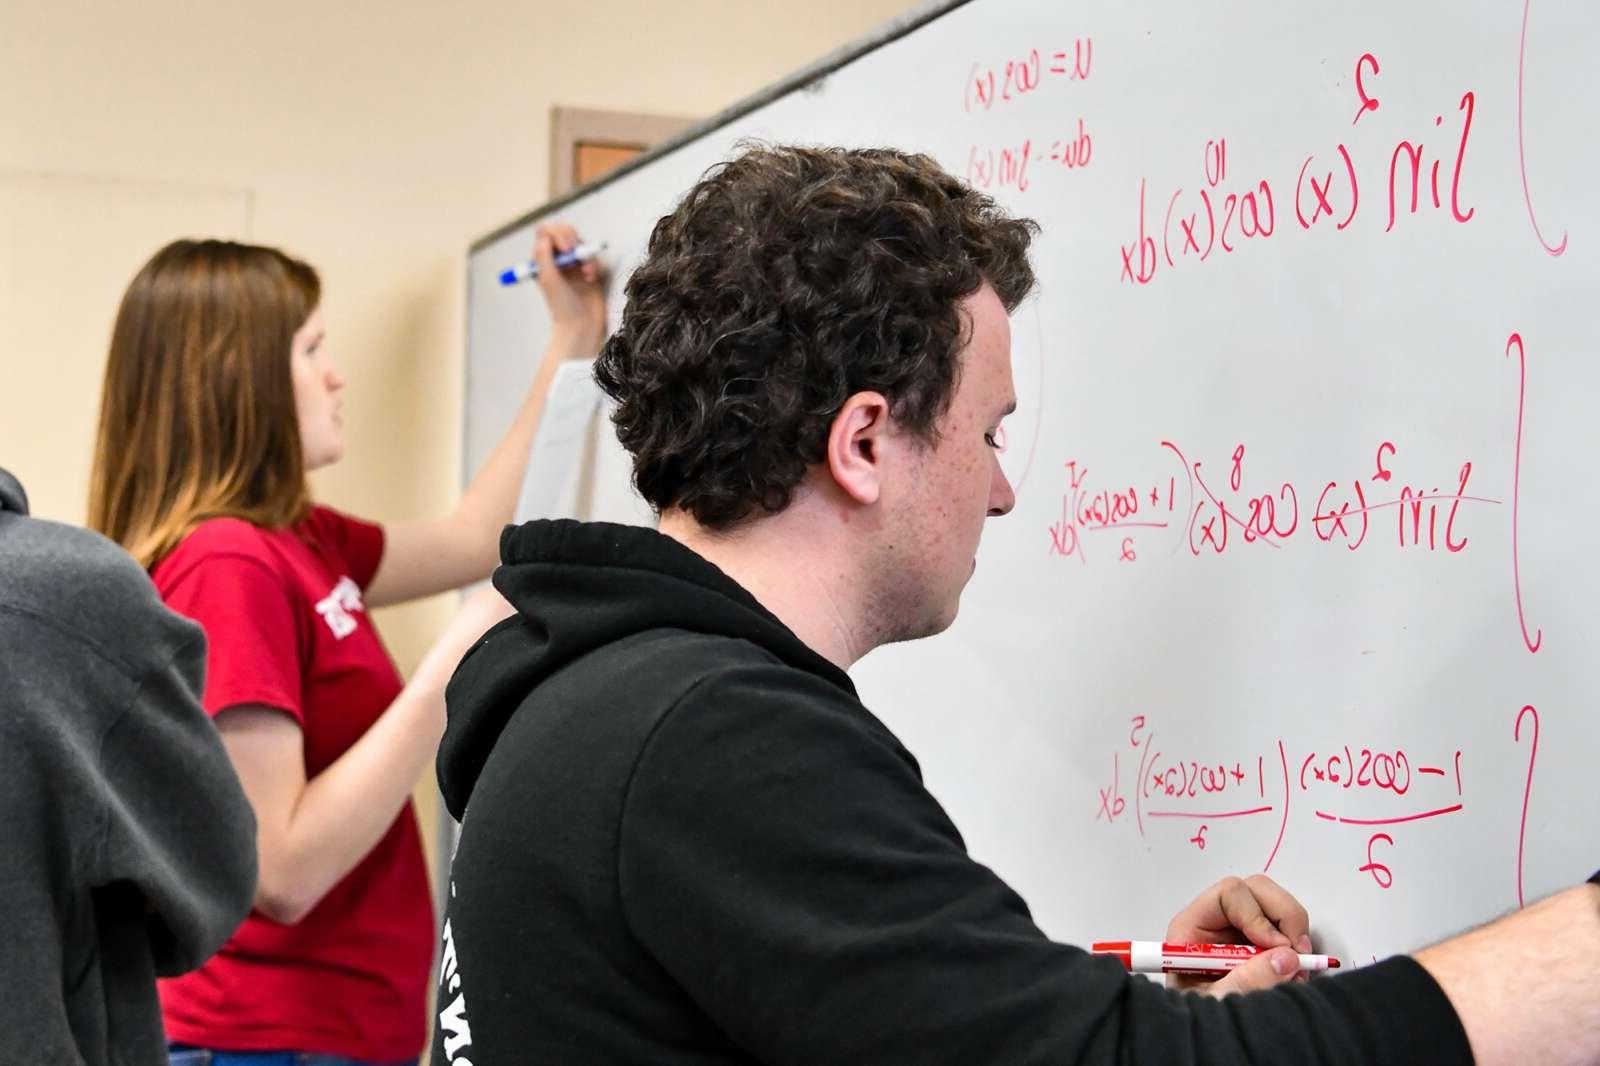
(110, 872)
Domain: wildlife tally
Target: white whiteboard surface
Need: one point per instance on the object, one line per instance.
(1345, 361)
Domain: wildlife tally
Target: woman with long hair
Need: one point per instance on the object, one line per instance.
(220, 395)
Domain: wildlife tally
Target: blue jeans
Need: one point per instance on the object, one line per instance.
(184, 1055)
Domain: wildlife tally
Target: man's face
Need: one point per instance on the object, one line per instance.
(953, 485)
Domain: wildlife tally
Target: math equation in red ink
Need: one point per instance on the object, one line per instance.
(1246, 500)
(1371, 499)
(1376, 800)
(1001, 80)
(1532, 714)
(1533, 642)
(1016, 166)
(1059, 144)
(1560, 247)
(1224, 207)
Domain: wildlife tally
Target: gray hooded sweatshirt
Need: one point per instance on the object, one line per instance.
(127, 848)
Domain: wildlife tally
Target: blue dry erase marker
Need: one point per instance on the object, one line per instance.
(581, 253)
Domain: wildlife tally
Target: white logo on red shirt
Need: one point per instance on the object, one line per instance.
(337, 607)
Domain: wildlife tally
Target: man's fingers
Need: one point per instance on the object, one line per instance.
(1282, 910)
(1223, 912)
(1244, 912)
(1262, 912)
(1264, 971)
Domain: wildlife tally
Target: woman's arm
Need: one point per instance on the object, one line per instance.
(310, 834)
(422, 558)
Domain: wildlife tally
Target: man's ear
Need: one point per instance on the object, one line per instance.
(855, 448)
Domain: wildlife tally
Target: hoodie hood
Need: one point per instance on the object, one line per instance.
(12, 498)
(578, 587)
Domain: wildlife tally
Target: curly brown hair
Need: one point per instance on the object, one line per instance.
(787, 280)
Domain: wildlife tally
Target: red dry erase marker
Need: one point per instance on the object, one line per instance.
(1152, 956)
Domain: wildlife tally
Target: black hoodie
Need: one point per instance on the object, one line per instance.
(127, 848)
(686, 841)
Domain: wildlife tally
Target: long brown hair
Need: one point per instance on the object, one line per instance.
(197, 414)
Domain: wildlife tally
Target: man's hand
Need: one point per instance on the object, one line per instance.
(1255, 910)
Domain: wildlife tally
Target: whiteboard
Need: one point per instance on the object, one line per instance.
(1297, 578)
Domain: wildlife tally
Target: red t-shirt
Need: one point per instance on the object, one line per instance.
(286, 628)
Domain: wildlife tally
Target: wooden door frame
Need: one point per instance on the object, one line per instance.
(573, 126)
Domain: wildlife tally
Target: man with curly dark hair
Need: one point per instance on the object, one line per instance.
(817, 336)
(786, 283)
(689, 842)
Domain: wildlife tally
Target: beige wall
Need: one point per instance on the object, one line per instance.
(374, 139)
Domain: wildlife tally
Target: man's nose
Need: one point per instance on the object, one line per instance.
(1001, 496)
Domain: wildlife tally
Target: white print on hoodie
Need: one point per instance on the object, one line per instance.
(453, 1022)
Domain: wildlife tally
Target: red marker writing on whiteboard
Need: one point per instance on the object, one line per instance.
(1152, 956)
